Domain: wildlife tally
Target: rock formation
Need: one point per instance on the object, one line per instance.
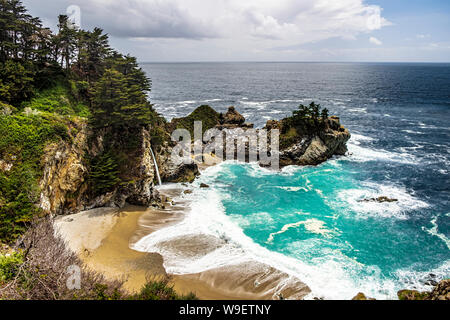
(64, 186)
(440, 292)
(297, 146)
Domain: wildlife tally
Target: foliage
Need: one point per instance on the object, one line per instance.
(52, 77)
(120, 96)
(58, 99)
(307, 119)
(22, 142)
(40, 272)
(160, 289)
(9, 266)
(207, 115)
(104, 173)
(15, 82)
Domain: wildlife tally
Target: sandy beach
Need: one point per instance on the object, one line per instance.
(102, 238)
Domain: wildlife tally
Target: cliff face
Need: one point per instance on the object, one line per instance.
(297, 145)
(65, 185)
(318, 147)
(64, 172)
(65, 182)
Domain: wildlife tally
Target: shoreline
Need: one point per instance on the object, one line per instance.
(102, 238)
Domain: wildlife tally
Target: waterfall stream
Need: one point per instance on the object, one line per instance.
(156, 167)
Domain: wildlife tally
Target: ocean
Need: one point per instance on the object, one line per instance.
(310, 221)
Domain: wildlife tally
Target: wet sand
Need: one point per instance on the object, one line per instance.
(102, 239)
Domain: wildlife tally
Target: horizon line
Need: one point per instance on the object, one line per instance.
(299, 61)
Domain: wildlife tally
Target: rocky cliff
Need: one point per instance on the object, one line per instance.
(312, 148)
(65, 186)
(298, 146)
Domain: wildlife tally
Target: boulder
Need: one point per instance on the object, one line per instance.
(233, 117)
(441, 291)
(362, 297)
(412, 295)
(382, 199)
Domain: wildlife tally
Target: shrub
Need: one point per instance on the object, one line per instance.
(9, 266)
(40, 273)
(22, 142)
(160, 289)
(104, 173)
(58, 99)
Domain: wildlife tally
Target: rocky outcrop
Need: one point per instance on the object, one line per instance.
(312, 148)
(382, 199)
(297, 146)
(361, 297)
(64, 172)
(233, 117)
(440, 292)
(65, 185)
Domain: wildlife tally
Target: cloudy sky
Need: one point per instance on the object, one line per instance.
(265, 30)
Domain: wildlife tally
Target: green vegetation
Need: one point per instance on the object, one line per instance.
(40, 272)
(308, 118)
(51, 84)
(160, 289)
(207, 115)
(22, 142)
(9, 266)
(48, 80)
(57, 99)
(304, 121)
(104, 175)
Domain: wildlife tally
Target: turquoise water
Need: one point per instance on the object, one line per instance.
(313, 214)
(309, 221)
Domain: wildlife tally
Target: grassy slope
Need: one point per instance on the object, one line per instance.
(23, 137)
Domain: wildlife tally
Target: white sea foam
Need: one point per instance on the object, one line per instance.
(333, 276)
(434, 231)
(293, 189)
(362, 154)
(260, 219)
(419, 280)
(187, 102)
(352, 201)
(311, 225)
(358, 110)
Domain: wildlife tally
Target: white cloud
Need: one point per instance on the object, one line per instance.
(375, 41)
(293, 21)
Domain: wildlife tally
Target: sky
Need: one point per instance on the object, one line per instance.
(264, 30)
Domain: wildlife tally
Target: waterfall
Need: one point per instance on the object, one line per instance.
(156, 166)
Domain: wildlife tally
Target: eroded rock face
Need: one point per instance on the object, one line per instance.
(233, 117)
(64, 187)
(440, 292)
(64, 172)
(296, 147)
(314, 149)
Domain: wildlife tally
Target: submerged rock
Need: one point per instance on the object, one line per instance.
(379, 200)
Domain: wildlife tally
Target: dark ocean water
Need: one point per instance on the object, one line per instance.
(399, 117)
